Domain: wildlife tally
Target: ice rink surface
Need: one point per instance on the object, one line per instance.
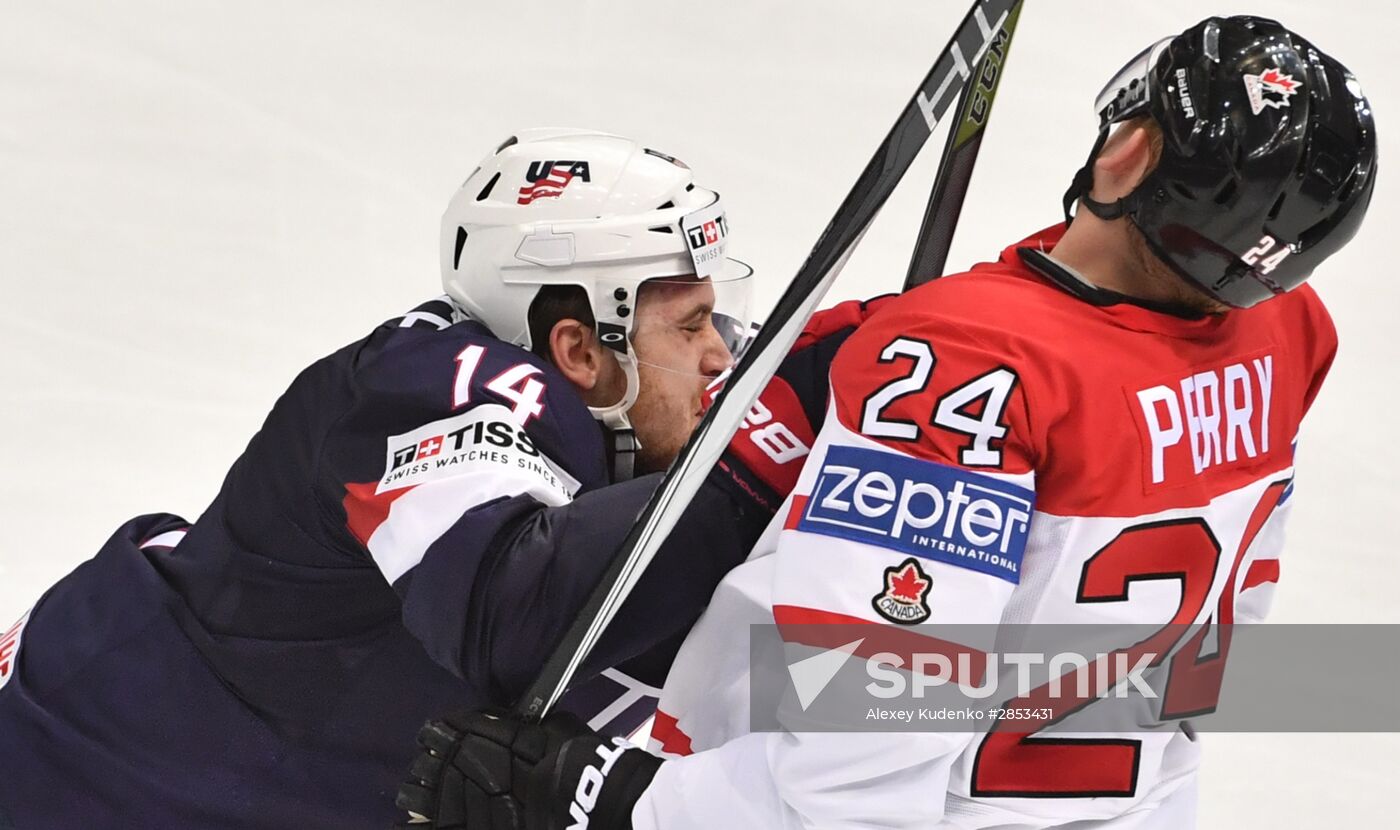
(197, 199)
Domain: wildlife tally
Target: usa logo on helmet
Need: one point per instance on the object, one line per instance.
(547, 179)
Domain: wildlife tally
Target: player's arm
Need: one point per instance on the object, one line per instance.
(718, 529)
(801, 780)
(1316, 338)
(472, 476)
(484, 502)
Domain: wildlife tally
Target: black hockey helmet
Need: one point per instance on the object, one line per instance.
(1268, 160)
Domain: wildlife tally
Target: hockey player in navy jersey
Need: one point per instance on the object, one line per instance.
(413, 527)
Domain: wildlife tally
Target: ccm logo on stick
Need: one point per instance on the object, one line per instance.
(1213, 417)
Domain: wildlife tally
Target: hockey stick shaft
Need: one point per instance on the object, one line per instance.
(945, 201)
(910, 132)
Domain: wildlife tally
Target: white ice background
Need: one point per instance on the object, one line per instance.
(199, 198)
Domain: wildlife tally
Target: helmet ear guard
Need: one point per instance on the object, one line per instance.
(1268, 159)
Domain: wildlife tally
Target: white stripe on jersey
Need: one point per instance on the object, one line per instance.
(635, 691)
(427, 510)
(439, 312)
(423, 316)
(168, 539)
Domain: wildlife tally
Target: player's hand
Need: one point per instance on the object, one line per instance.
(471, 769)
(491, 772)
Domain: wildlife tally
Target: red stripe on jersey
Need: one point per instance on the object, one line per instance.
(827, 629)
(799, 504)
(1263, 570)
(365, 511)
(666, 731)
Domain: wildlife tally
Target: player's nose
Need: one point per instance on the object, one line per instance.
(715, 357)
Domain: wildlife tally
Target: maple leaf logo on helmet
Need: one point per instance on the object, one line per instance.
(1270, 89)
(904, 599)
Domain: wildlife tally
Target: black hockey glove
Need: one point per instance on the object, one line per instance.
(490, 772)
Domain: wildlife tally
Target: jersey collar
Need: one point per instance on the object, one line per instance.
(1033, 255)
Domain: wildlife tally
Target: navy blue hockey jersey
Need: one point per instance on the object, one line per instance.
(410, 532)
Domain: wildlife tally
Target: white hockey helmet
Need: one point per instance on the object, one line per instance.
(556, 206)
(559, 206)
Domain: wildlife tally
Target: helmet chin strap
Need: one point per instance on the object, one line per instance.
(1084, 182)
(615, 418)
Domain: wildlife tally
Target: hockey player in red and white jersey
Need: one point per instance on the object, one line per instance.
(1096, 428)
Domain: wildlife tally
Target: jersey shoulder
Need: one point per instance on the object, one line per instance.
(434, 363)
(1302, 313)
(1301, 321)
(942, 371)
(433, 383)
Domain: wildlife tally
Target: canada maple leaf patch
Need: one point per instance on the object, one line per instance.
(1270, 89)
(905, 598)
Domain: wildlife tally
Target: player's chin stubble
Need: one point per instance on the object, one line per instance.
(1173, 288)
(664, 416)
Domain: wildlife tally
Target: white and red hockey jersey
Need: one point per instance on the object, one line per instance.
(1076, 458)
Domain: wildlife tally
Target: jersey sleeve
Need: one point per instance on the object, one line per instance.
(763, 460)
(913, 509)
(473, 477)
(1258, 579)
(452, 439)
(1319, 336)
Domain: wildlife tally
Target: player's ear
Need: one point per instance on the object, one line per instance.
(576, 353)
(1124, 162)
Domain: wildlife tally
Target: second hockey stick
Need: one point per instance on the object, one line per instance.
(950, 73)
(945, 200)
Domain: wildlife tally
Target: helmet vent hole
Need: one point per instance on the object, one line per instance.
(661, 229)
(666, 204)
(1227, 192)
(486, 191)
(1278, 206)
(689, 188)
(509, 142)
(461, 241)
(1183, 192)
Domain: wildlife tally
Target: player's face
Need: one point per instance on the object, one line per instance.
(679, 351)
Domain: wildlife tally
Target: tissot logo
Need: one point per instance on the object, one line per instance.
(481, 433)
(487, 440)
(707, 233)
